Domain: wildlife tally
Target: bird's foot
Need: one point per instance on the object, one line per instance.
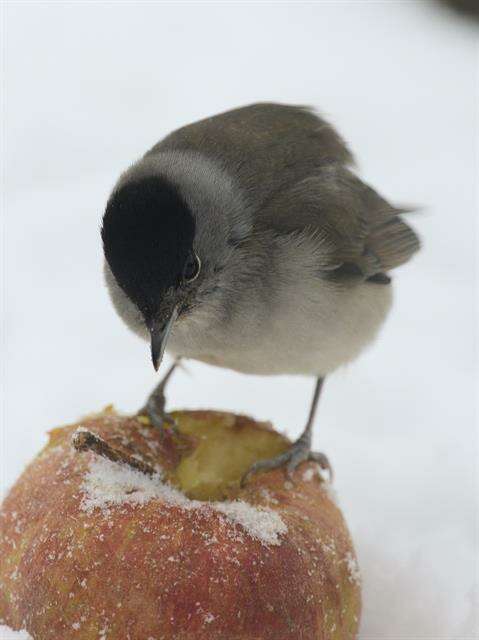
(299, 452)
(154, 410)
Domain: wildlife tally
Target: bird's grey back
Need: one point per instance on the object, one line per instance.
(295, 173)
(266, 146)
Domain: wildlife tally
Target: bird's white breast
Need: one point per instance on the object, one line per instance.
(309, 326)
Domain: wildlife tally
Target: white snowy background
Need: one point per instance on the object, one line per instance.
(88, 87)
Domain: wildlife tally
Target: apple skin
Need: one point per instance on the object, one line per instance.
(157, 571)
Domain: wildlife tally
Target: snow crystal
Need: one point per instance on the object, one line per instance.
(354, 573)
(310, 473)
(107, 484)
(110, 483)
(263, 524)
(9, 634)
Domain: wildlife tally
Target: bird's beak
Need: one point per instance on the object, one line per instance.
(160, 332)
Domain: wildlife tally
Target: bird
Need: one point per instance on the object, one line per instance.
(247, 241)
(467, 8)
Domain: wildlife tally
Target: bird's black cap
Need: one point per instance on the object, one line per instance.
(147, 235)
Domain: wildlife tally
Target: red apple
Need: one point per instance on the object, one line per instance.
(92, 549)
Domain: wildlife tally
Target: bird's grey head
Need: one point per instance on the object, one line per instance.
(167, 247)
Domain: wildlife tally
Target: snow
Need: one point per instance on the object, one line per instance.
(8, 634)
(399, 79)
(263, 524)
(107, 484)
(354, 573)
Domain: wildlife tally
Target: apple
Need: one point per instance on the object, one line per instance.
(119, 531)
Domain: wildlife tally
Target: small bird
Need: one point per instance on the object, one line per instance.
(247, 241)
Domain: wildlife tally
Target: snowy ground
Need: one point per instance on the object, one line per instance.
(8, 634)
(91, 85)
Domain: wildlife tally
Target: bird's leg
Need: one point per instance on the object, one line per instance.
(155, 405)
(299, 451)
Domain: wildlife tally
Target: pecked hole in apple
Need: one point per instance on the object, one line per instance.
(208, 471)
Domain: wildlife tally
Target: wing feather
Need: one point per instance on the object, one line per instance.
(364, 233)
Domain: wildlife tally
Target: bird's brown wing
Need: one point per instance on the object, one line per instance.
(292, 167)
(362, 234)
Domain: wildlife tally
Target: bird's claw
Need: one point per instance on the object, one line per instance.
(299, 452)
(155, 410)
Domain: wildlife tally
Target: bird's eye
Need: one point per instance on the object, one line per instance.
(192, 268)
